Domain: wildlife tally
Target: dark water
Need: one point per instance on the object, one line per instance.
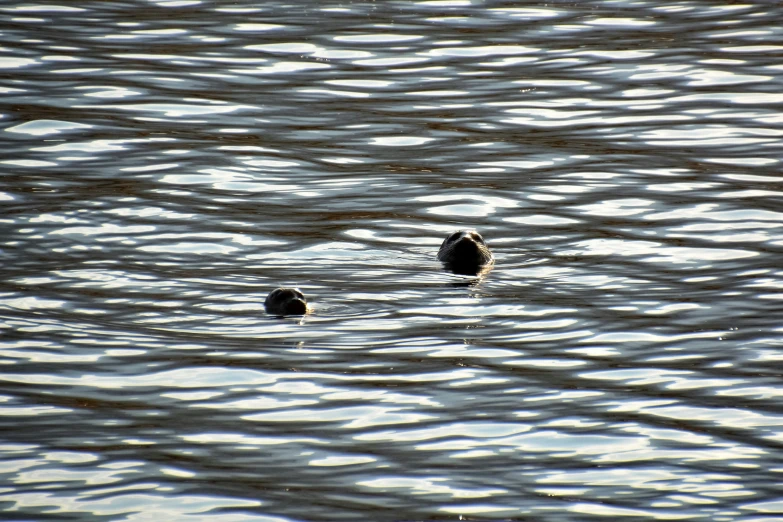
(166, 164)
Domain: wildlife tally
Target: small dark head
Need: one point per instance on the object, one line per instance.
(286, 301)
(464, 252)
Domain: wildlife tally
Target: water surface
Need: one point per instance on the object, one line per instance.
(167, 164)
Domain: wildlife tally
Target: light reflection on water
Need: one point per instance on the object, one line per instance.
(167, 165)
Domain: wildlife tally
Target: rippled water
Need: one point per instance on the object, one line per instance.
(166, 164)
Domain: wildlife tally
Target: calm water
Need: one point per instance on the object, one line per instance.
(168, 163)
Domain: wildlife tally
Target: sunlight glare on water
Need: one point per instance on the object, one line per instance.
(168, 164)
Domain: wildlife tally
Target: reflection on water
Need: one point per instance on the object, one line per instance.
(167, 165)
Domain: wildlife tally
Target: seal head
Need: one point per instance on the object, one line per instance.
(465, 252)
(286, 301)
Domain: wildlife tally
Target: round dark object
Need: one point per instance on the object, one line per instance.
(465, 252)
(286, 301)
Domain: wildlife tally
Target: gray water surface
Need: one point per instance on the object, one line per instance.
(166, 164)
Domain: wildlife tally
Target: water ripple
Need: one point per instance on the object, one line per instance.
(167, 165)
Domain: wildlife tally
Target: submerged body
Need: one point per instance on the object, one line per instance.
(286, 301)
(465, 252)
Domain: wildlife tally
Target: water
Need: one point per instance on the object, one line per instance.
(167, 164)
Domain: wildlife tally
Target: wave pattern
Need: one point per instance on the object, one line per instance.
(166, 165)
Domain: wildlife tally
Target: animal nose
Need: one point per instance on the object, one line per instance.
(466, 242)
(296, 306)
